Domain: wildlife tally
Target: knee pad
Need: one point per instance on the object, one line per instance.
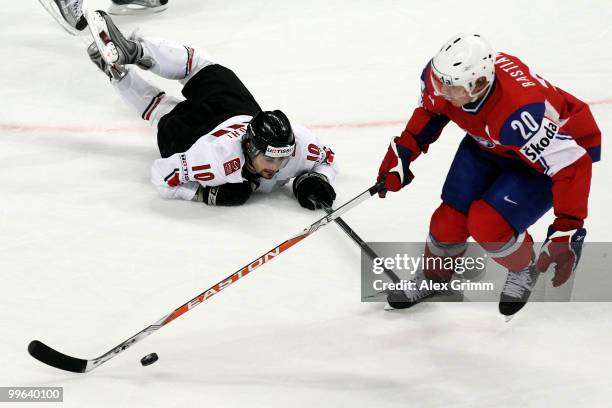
(487, 226)
(507, 247)
(448, 225)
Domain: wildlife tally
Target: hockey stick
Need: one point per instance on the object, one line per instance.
(362, 244)
(54, 358)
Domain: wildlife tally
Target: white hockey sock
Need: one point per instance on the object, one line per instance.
(172, 60)
(147, 100)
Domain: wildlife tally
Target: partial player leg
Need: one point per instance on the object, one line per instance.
(447, 238)
(172, 60)
(113, 71)
(111, 52)
(68, 13)
(112, 44)
(510, 249)
(128, 7)
(164, 58)
(147, 100)
(499, 222)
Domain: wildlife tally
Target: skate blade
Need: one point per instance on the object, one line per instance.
(99, 32)
(52, 9)
(126, 10)
(508, 318)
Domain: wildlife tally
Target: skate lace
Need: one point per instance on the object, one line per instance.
(517, 283)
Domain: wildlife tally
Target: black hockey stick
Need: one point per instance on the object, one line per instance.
(399, 299)
(363, 245)
(54, 358)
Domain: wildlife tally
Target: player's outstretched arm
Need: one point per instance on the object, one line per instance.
(230, 194)
(316, 170)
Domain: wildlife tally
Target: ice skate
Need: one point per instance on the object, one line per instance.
(68, 13)
(114, 48)
(517, 289)
(130, 7)
(114, 72)
(406, 299)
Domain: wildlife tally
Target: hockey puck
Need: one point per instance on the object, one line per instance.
(149, 359)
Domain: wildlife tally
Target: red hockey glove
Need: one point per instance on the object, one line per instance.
(394, 168)
(563, 248)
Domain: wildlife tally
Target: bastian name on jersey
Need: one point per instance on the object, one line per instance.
(509, 66)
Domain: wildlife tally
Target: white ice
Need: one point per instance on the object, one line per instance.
(90, 254)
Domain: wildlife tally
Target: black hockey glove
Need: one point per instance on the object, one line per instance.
(229, 194)
(311, 187)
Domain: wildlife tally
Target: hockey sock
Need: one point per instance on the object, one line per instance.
(439, 258)
(172, 60)
(147, 100)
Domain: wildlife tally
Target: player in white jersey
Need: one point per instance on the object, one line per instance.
(217, 145)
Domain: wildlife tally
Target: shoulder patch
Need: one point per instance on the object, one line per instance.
(231, 166)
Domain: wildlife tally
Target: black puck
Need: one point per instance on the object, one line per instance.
(149, 359)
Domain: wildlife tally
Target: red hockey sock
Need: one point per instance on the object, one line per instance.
(447, 236)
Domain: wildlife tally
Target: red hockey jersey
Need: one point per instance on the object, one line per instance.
(525, 117)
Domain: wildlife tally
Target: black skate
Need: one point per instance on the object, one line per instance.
(517, 290)
(114, 48)
(406, 299)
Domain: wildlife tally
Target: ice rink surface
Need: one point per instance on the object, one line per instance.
(90, 254)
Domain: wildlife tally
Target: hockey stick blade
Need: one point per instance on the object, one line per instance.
(54, 358)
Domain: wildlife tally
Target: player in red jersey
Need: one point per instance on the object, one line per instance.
(529, 146)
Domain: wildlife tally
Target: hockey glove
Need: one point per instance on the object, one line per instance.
(562, 248)
(230, 194)
(394, 169)
(312, 190)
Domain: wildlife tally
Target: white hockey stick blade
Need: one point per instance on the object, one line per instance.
(52, 9)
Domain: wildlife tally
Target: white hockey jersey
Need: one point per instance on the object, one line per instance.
(217, 158)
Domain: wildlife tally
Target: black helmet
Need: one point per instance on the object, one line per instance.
(270, 133)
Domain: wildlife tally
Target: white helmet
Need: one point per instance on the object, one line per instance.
(462, 60)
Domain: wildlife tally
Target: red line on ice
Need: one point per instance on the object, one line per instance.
(24, 127)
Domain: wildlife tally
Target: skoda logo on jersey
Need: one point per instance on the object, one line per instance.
(484, 142)
(284, 151)
(536, 146)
